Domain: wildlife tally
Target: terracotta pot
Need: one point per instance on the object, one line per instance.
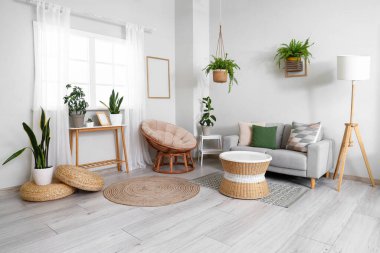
(43, 176)
(294, 64)
(219, 75)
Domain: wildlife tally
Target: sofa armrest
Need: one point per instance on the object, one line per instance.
(319, 158)
(230, 141)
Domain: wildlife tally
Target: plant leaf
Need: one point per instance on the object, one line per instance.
(16, 154)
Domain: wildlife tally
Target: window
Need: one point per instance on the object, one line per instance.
(97, 65)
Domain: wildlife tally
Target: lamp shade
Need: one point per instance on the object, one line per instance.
(353, 67)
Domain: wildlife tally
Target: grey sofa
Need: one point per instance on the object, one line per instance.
(317, 162)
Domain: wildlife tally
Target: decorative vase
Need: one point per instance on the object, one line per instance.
(43, 176)
(294, 64)
(116, 119)
(206, 130)
(219, 75)
(77, 120)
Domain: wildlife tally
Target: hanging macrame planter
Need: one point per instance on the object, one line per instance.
(220, 75)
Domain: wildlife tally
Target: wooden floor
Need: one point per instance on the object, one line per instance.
(323, 220)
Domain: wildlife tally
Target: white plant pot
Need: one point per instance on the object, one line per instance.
(89, 124)
(116, 119)
(43, 176)
(206, 130)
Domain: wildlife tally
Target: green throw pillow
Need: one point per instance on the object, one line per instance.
(264, 137)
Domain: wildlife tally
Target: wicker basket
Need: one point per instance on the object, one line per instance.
(244, 170)
(219, 75)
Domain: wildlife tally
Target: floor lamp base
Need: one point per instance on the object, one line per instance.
(346, 143)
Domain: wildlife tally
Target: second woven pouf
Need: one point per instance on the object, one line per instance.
(79, 178)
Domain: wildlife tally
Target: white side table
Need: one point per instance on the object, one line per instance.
(208, 151)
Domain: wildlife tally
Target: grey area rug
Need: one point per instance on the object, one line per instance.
(281, 194)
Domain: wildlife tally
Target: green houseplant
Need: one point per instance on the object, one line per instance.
(293, 53)
(114, 108)
(42, 172)
(207, 121)
(77, 105)
(221, 67)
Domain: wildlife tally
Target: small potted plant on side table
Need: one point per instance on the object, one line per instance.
(43, 172)
(207, 120)
(77, 105)
(114, 108)
(89, 123)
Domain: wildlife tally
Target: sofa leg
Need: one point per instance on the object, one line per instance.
(312, 183)
(328, 174)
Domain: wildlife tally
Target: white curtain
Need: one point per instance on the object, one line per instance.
(138, 155)
(51, 45)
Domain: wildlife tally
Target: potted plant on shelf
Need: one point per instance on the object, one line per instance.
(89, 123)
(42, 172)
(293, 53)
(114, 108)
(221, 68)
(207, 120)
(77, 105)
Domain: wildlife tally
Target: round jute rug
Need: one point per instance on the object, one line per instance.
(151, 191)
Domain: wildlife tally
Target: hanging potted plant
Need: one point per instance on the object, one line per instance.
(207, 120)
(293, 53)
(114, 108)
(43, 172)
(77, 105)
(221, 68)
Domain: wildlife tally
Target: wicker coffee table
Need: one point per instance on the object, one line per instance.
(244, 174)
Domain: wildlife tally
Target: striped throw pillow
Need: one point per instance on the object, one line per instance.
(303, 135)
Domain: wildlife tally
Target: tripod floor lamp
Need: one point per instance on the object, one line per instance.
(353, 68)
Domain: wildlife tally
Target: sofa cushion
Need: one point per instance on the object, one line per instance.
(285, 135)
(245, 132)
(302, 135)
(248, 148)
(264, 137)
(280, 130)
(288, 159)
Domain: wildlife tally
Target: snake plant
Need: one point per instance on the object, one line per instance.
(40, 150)
(114, 103)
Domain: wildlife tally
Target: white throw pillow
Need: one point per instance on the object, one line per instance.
(245, 132)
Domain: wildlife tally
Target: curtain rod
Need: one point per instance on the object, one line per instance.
(92, 16)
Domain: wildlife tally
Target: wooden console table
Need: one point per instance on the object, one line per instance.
(118, 161)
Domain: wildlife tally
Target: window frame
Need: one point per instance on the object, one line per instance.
(92, 65)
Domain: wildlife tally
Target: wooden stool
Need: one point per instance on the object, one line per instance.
(173, 160)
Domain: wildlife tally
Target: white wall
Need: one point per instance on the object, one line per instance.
(17, 71)
(252, 32)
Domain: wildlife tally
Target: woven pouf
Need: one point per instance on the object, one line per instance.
(32, 192)
(79, 178)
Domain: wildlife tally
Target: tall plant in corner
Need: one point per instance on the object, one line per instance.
(42, 172)
(207, 119)
(114, 108)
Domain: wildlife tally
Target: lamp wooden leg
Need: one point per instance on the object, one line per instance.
(312, 183)
(361, 144)
(344, 155)
(340, 154)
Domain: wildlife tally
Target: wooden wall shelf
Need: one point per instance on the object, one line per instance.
(289, 70)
